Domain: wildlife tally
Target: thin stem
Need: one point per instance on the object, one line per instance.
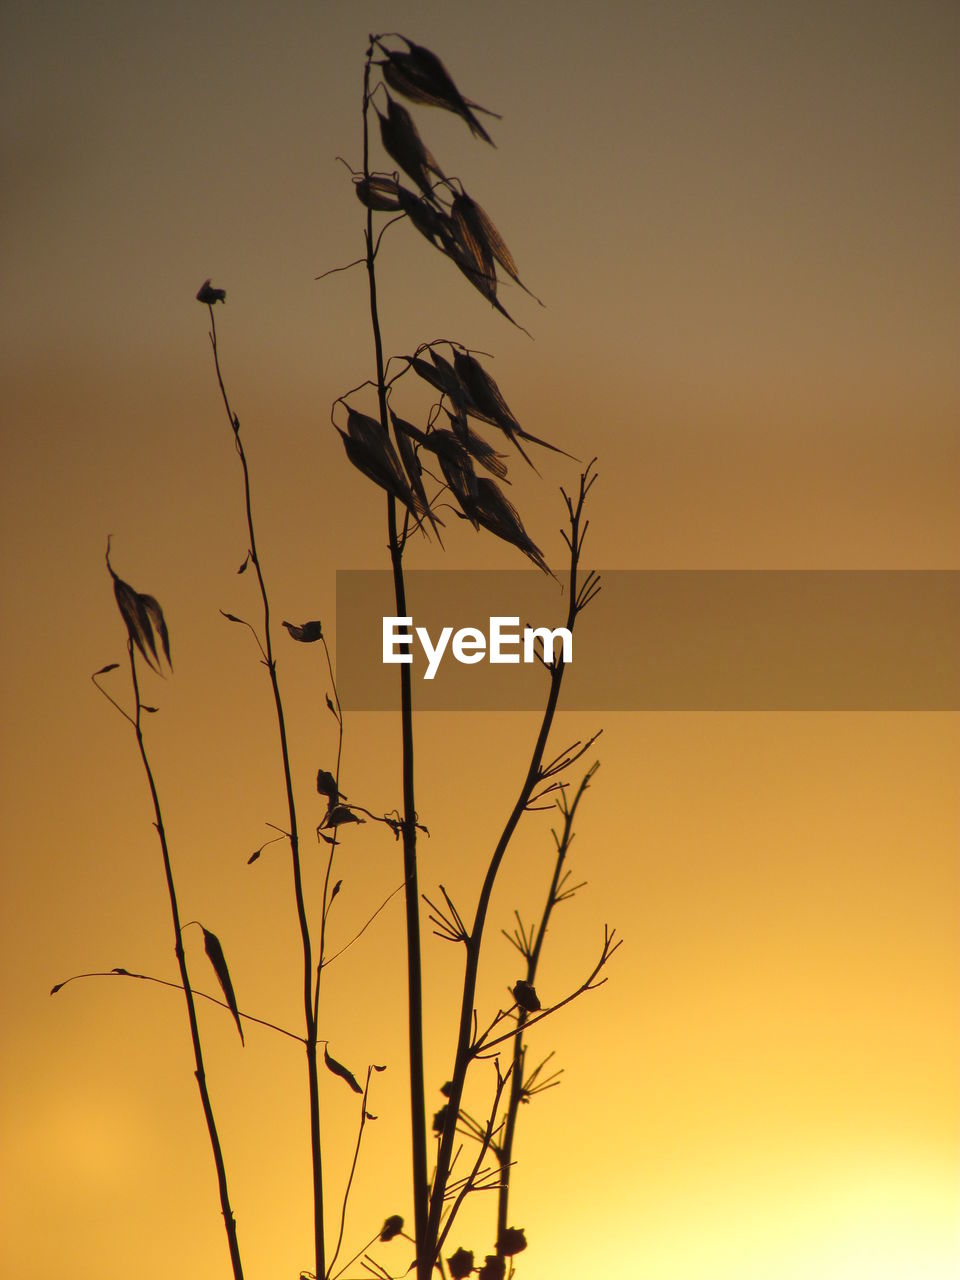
(178, 986)
(465, 1042)
(228, 1219)
(308, 978)
(326, 899)
(353, 1169)
(418, 1123)
(517, 1082)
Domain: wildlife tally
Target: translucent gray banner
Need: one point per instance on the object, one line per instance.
(658, 640)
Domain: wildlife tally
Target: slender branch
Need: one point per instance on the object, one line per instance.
(229, 1221)
(359, 934)
(470, 1182)
(308, 976)
(611, 944)
(178, 986)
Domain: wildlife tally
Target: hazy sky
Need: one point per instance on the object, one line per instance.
(742, 218)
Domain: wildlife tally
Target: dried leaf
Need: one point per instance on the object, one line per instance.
(478, 448)
(403, 144)
(420, 76)
(206, 293)
(143, 619)
(336, 889)
(111, 666)
(339, 815)
(254, 856)
(471, 240)
(370, 450)
(307, 633)
(378, 192)
(340, 1070)
(57, 986)
(246, 563)
(232, 617)
(392, 1227)
(330, 705)
(404, 434)
(211, 944)
(477, 224)
(489, 404)
(432, 223)
(327, 785)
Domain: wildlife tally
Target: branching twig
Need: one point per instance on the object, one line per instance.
(521, 1090)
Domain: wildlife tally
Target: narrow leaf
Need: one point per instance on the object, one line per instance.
(111, 666)
(340, 1070)
(211, 944)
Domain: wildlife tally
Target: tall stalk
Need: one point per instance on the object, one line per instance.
(229, 1221)
(309, 1002)
(418, 1123)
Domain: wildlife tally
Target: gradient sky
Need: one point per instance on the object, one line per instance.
(742, 218)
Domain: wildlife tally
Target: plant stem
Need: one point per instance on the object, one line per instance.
(505, 1151)
(310, 1017)
(228, 1218)
(418, 1124)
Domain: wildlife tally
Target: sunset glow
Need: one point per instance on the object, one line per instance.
(742, 221)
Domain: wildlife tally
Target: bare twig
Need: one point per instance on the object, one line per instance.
(178, 986)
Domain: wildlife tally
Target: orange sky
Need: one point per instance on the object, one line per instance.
(742, 219)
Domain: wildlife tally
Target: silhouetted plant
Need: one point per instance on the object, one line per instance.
(397, 455)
